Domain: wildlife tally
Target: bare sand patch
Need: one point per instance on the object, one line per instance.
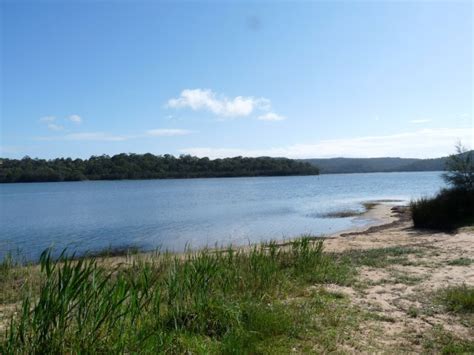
(401, 294)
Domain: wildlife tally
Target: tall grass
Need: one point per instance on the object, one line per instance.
(209, 301)
(446, 211)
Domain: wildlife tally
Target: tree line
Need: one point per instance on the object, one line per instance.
(146, 166)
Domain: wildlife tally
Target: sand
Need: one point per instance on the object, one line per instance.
(402, 294)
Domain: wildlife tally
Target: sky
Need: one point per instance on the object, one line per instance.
(227, 78)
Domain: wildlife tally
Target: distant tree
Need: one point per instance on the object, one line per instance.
(460, 169)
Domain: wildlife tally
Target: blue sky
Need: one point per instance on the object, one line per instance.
(295, 79)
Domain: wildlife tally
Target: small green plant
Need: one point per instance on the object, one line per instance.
(413, 312)
(381, 257)
(7, 263)
(438, 340)
(458, 298)
(460, 262)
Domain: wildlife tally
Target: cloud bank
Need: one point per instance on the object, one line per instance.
(109, 137)
(167, 132)
(425, 143)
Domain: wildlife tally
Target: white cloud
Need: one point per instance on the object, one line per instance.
(96, 136)
(55, 127)
(423, 120)
(204, 99)
(47, 119)
(76, 119)
(108, 137)
(87, 136)
(425, 143)
(167, 132)
(271, 116)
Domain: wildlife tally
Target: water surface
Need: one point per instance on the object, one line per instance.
(93, 215)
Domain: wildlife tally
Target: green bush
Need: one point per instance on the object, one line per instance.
(446, 211)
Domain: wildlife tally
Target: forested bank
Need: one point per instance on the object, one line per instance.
(146, 166)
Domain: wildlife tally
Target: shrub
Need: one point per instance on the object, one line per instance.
(448, 210)
(460, 169)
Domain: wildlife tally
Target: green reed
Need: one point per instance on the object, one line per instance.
(216, 301)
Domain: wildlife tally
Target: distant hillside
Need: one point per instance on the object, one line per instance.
(371, 165)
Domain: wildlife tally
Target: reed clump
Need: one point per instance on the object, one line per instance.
(204, 302)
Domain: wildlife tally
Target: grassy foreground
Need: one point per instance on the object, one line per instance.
(270, 299)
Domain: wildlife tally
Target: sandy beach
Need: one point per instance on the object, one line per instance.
(401, 292)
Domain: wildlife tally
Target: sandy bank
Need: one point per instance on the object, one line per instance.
(401, 293)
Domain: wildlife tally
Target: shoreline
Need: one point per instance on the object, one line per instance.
(380, 214)
(396, 275)
(377, 214)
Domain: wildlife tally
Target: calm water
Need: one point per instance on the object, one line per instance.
(87, 216)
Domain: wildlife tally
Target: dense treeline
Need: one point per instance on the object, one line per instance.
(146, 166)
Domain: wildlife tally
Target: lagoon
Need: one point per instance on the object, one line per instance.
(174, 214)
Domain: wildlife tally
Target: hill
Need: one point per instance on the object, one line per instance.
(372, 165)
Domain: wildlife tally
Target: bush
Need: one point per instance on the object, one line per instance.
(448, 210)
(460, 169)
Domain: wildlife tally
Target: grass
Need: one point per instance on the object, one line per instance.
(403, 278)
(268, 299)
(440, 341)
(342, 214)
(17, 279)
(380, 258)
(351, 213)
(459, 299)
(112, 251)
(460, 262)
(206, 302)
